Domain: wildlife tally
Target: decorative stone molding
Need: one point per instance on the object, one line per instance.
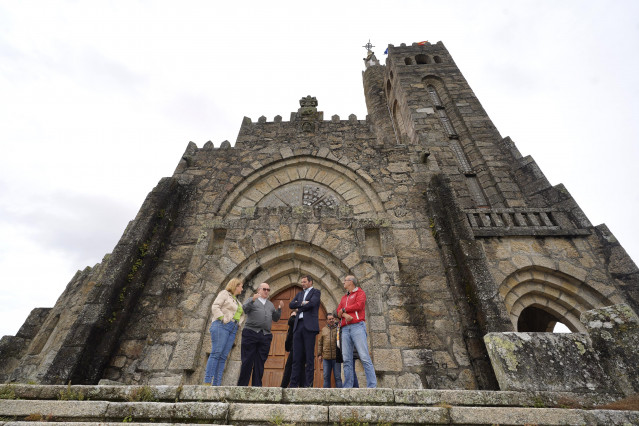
(563, 296)
(347, 184)
(521, 221)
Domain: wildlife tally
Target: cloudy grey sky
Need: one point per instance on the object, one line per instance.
(98, 101)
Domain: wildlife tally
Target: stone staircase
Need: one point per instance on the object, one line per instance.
(276, 406)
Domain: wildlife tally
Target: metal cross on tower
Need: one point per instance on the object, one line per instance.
(368, 45)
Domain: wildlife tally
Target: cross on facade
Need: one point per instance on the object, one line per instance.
(368, 46)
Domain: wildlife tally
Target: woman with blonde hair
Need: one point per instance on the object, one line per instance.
(227, 312)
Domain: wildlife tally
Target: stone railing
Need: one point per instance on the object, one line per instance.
(521, 221)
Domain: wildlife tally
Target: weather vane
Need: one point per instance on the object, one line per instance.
(368, 46)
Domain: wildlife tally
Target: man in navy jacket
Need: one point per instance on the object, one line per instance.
(307, 303)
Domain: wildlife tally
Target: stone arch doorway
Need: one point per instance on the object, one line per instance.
(281, 265)
(535, 319)
(539, 296)
(274, 367)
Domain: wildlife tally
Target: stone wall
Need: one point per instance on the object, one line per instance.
(231, 226)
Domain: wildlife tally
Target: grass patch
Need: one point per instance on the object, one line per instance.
(142, 394)
(278, 420)
(7, 392)
(71, 394)
(354, 420)
(539, 403)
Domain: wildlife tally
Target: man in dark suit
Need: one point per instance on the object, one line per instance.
(306, 327)
(288, 346)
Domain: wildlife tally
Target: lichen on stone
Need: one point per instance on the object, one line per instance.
(506, 349)
(580, 347)
(595, 324)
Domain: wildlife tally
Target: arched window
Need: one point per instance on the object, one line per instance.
(539, 298)
(434, 97)
(422, 59)
(474, 187)
(408, 61)
(398, 123)
(395, 113)
(446, 123)
(536, 320)
(388, 87)
(441, 111)
(437, 59)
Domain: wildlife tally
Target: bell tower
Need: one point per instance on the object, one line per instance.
(429, 105)
(496, 218)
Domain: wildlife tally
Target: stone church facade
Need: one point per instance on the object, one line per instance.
(452, 233)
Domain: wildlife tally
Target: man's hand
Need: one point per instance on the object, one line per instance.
(255, 296)
(281, 304)
(346, 316)
(305, 302)
(320, 357)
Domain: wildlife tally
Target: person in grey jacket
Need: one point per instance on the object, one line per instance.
(256, 336)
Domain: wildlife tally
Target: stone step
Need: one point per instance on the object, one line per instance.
(25, 423)
(242, 405)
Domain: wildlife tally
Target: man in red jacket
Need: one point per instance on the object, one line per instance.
(351, 311)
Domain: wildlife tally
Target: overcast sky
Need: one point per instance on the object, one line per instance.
(98, 101)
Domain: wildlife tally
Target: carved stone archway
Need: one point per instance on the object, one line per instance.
(282, 265)
(345, 184)
(563, 297)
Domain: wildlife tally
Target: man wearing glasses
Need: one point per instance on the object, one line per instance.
(256, 336)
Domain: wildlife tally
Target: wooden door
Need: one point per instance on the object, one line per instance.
(274, 367)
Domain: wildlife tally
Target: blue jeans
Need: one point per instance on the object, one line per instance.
(222, 338)
(355, 381)
(354, 335)
(331, 364)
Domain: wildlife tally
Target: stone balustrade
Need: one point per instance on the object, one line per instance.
(521, 222)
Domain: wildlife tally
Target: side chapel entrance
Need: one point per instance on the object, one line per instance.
(274, 367)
